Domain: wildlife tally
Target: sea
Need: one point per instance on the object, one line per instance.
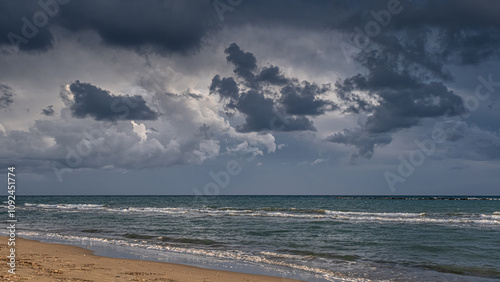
(311, 238)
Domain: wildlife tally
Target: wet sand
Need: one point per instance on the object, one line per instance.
(37, 261)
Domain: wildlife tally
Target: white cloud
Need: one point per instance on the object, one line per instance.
(140, 130)
(188, 131)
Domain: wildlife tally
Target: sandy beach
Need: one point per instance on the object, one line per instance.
(39, 261)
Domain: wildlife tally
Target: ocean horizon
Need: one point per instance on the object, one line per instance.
(313, 238)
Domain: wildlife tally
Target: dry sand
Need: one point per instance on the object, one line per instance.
(38, 261)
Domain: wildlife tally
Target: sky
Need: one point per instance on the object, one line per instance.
(240, 97)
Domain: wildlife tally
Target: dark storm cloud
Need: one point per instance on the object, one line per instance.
(244, 63)
(467, 31)
(226, 87)
(430, 34)
(451, 14)
(6, 94)
(89, 100)
(403, 97)
(158, 26)
(17, 28)
(396, 97)
(260, 115)
(171, 26)
(362, 140)
(161, 26)
(302, 99)
(406, 64)
(405, 108)
(272, 75)
(294, 13)
(49, 111)
(265, 107)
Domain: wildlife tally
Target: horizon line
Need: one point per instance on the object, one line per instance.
(299, 195)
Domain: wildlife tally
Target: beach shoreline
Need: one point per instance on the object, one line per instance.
(41, 261)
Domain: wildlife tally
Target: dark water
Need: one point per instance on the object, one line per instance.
(316, 238)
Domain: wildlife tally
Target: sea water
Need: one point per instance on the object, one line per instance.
(313, 238)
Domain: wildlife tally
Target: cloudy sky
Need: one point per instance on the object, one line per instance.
(251, 97)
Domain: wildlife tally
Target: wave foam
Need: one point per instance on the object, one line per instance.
(268, 258)
(323, 214)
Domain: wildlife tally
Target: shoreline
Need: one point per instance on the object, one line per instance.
(58, 262)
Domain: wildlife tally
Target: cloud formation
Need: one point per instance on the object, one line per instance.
(6, 94)
(186, 130)
(89, 100)
(394, 97)
(172, 26)
(49, 111)
(268, 99)
(402, 76)
(467, 32)
(406, 65)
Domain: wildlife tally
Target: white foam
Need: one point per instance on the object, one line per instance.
(265, 258)
(66, 206)
(420, 217)
(154, 210)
